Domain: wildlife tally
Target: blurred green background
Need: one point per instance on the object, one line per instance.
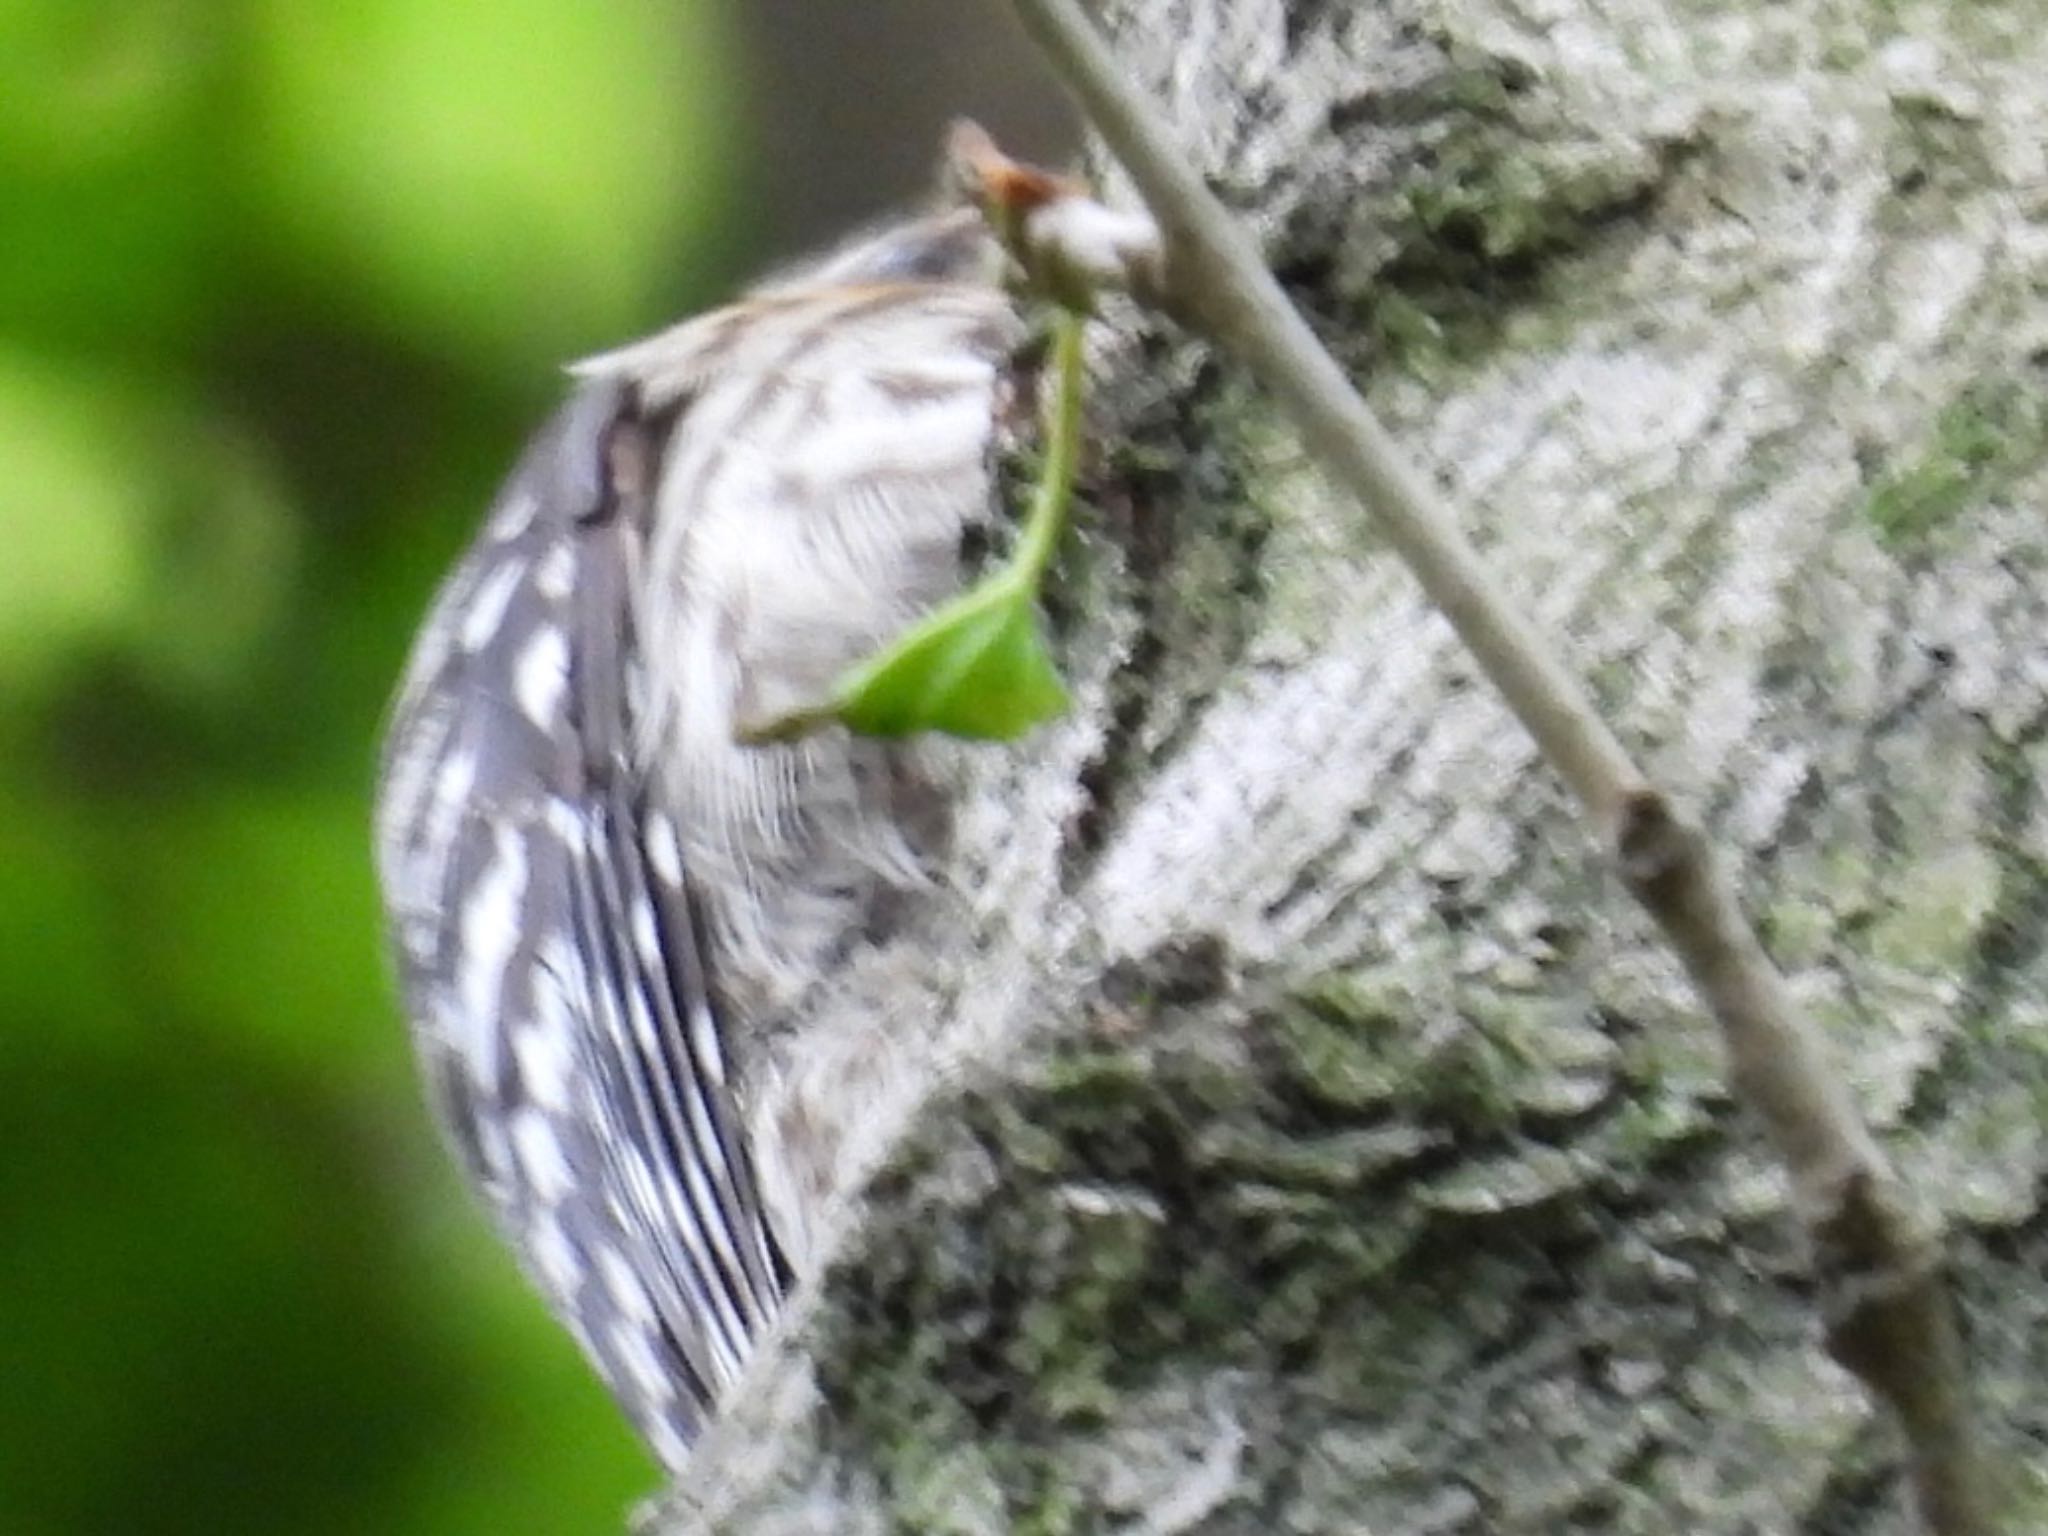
(282, 285)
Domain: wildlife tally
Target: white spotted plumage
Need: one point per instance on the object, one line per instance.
(598, 898)
(541, 676)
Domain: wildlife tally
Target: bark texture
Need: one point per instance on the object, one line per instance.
(1287, 1124)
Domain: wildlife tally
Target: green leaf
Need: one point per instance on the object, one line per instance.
(976, 668)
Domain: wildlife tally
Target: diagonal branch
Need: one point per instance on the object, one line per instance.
(1877, 1255)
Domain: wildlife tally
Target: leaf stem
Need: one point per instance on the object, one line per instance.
(1054, 493)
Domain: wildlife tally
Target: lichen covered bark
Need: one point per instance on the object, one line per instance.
(1297, 1128)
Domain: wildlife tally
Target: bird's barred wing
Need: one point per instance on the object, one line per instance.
(547, 945)
(568, 830)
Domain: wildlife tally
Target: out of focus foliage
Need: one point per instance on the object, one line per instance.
(282, 284)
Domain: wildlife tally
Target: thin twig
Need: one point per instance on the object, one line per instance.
(1877, 1256)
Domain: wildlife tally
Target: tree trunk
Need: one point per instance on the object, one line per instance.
(1290, 1125)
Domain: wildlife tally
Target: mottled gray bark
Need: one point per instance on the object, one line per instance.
(1288, 1124)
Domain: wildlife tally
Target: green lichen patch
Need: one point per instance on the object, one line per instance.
(1562, 1065)
(1981, 445)
(1109, 1249)
(1520, 1180)
(1986, 1159)
(1329, 1164)
(1491, 205)
(1939, 905)
(1501, 1059)
(1647, 1127)
(1343, 1191)
(1342, 1043)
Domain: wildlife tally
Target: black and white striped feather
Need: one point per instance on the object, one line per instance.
(594, 891)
